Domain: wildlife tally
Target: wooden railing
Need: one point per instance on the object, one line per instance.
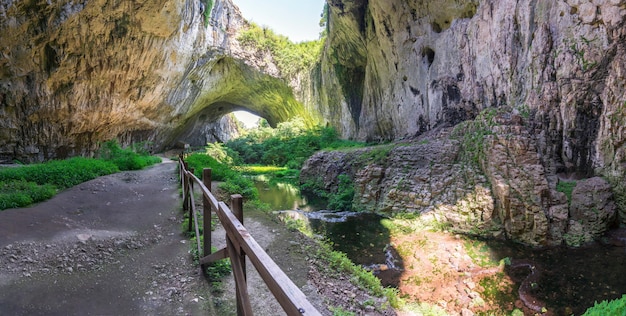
(239, 244)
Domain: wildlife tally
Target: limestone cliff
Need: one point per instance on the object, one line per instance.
(395, 69)
(77, 72)
(555, 72)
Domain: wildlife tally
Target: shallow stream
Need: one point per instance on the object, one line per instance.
(571, 279)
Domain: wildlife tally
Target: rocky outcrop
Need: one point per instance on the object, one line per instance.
(592, 211)
(482, 177)
(75, 73)
(424, 177)
(555, 71)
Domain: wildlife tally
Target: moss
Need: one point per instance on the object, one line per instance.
(566, 187)
(207, 11)
(472, 135)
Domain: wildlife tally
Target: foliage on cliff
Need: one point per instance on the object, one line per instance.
(291, 58)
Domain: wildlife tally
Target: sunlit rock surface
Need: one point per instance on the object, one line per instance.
(399, 69)
(75, 73)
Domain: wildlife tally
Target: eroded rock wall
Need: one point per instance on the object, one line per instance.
(403, 68)
(400, 68)
(75, 73)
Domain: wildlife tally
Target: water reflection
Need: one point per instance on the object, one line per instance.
(572, 279)
(361, 236)
(283, 196)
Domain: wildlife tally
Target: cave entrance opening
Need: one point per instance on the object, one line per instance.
(249, 120)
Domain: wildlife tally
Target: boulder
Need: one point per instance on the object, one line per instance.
(592, 211)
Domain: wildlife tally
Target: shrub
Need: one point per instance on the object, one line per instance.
(21, 193)
(234, 182)
(614, 307)
(342, 199)
(238, 184)
(29, 184)
(289, 145)
(134, 158)
(219, 171)
(290, 58)
(61, 173)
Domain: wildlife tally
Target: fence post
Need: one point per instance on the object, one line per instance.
(236, 205)
(189, 206)
(185, 187)
(206, 219)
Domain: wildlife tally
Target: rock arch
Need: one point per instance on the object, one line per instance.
(222, 85)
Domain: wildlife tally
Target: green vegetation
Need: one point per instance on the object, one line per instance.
(473, 134)
(338, 311)
(233, 182)
(480, 253)
(214, 271)
(20, 193)
(566, 187)
(134, 158)
(208, 6)
(342, 199)
(498, 291)
(338, 261)
(614, 307)
(22, 186)
(288, 145)
(291, 58)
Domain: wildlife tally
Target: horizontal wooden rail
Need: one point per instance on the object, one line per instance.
(240, 244)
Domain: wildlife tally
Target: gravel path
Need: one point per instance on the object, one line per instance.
(110, 246)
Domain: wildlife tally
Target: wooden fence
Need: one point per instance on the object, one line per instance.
(239, 244)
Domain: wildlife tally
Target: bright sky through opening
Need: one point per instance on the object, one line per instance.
(296, 19)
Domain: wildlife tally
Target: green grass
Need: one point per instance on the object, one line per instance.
(25, 185)
(338, 261)
(566, 187)
(20, 193)
(233, 182)
(258, 169)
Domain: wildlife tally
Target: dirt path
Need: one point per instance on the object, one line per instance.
(110, 246)
(113, 246)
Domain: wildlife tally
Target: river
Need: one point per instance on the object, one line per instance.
(571, 279)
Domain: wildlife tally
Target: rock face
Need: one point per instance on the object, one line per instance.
(395, 69)
(592, 210)
(74, 73)
(482, 177)
(554, 70)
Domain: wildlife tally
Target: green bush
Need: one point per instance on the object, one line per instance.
(289, 145)
(133, 158)
(61, 173)
(342, 199)
(219, 171)
(234, 182)
(21, 186)
(239, 184)
(614, 307)
(566, 187)
(20, 193)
